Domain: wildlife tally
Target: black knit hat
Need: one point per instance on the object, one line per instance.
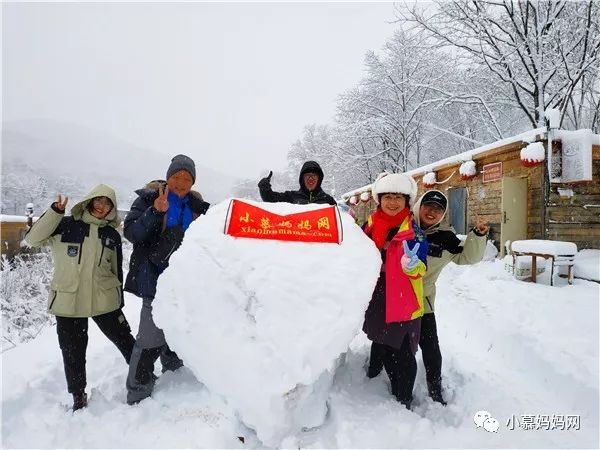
(435, 197)
(182, 162)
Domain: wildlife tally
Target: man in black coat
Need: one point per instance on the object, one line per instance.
(311, 176)
(156, 225)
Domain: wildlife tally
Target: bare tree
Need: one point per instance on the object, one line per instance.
(541, 50)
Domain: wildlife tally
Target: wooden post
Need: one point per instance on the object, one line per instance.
(545, 188)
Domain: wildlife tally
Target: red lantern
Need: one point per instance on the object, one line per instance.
(429, 180)
(467, 170)
(533, 155)
(531, 163)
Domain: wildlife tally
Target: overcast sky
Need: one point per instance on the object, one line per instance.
(230, 84)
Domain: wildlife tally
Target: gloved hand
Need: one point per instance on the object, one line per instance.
(266, 181)
(410, 259)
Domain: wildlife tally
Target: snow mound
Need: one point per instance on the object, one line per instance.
(587, 264)
(264, 323)
(546, 247)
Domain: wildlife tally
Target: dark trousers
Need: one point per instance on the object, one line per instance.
(430, 347)
(400, 365)
(73, 338)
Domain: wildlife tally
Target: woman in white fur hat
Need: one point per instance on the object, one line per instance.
(393, 317)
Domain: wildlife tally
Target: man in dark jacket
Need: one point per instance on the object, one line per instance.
(156, 225)
(310, 190)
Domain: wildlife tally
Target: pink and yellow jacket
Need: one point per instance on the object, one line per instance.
(404, 289)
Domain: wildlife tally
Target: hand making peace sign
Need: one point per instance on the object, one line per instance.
(410, 259)
(61, 204)
(161, 204)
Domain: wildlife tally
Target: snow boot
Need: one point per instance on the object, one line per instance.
(79, 401)
(139, 392)
(169, 360)
(435, 392)
(375, 361)
(372, 372)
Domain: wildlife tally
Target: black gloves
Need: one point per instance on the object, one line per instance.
(198, 206)
(169, 241)
(266, 181)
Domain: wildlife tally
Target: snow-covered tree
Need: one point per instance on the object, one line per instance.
(542, 51)
(24, 297)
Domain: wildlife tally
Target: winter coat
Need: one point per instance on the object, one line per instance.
(153, 243)
(87, 256)
(445, 247)
(375, 326)
(302, 196)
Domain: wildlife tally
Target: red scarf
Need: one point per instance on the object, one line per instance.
(383, 223)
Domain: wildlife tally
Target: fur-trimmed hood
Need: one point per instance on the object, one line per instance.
(150, 192)
(155, 184)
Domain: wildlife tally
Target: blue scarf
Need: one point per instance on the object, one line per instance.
(179, 213)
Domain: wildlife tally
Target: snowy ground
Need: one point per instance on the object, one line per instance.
(511, 348)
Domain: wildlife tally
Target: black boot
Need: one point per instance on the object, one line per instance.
(435, 392)
(376, 358)
(79, 401)
(372, 371)
(169, 360)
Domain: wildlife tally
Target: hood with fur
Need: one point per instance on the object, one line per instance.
(155, 184)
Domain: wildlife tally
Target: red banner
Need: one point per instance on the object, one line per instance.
(249, 221)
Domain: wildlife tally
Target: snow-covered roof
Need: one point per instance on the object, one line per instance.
(14, 219)
(583, 134)
(528, 136)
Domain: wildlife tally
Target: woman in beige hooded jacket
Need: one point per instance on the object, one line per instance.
(444, 248)
(87, 280)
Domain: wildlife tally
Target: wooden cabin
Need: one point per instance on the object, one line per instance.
(12, 232)
(513, 193)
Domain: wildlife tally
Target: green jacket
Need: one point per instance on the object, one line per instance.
(445, 247)
(87, 256)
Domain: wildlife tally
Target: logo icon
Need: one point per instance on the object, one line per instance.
(491, 425)
(484, 419)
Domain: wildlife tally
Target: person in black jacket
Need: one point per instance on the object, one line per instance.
(311, 176)
(156, 225)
